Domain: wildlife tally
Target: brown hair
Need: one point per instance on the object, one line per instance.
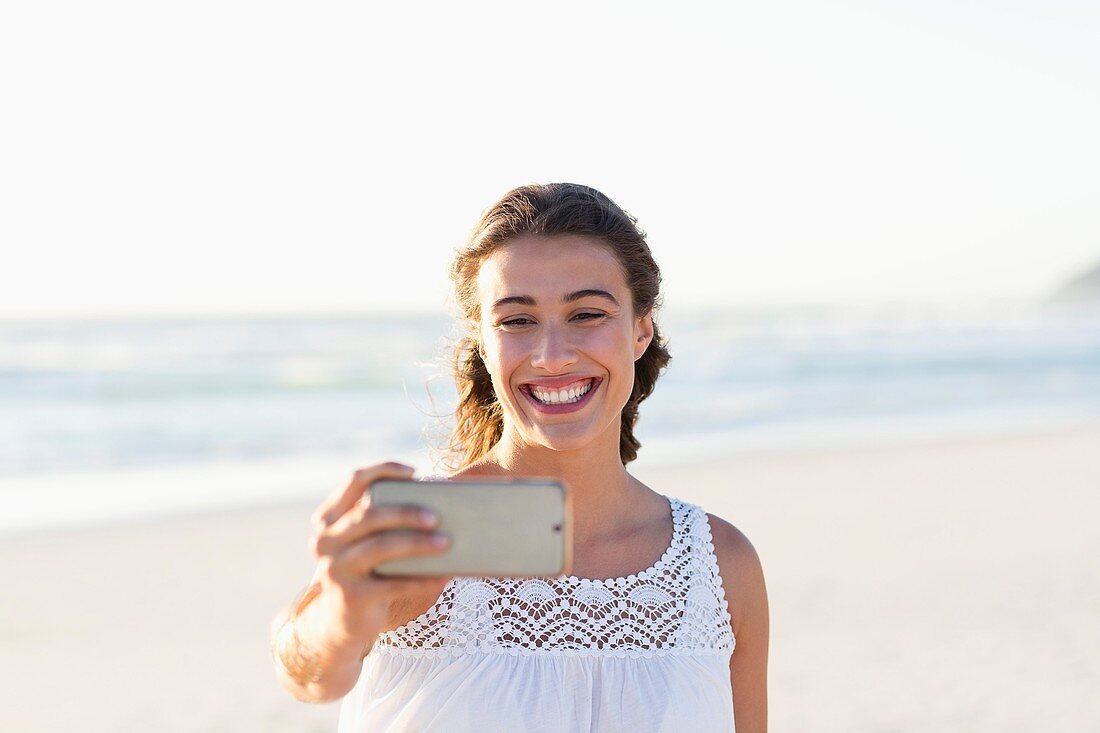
(547, 210)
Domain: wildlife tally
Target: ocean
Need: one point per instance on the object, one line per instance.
(124, 419)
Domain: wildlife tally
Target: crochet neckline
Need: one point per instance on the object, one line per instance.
(664, 559)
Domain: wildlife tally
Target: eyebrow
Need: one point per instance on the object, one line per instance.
(569, 298)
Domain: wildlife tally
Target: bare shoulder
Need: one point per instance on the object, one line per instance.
(741, 570)
(732, 547)
(743, 585)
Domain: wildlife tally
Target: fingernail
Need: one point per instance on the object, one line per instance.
(427, 516)
(440, 540)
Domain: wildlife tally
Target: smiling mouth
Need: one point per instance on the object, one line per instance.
(567, 396)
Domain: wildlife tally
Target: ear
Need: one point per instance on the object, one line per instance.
(643, 334)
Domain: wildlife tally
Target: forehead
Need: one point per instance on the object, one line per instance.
(549, 267)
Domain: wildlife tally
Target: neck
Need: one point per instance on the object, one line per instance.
(603, 493)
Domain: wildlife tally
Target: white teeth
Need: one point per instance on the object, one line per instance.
(561, 396)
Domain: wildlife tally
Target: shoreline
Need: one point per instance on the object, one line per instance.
(290, 475)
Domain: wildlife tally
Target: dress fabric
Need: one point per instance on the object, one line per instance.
(643, 653)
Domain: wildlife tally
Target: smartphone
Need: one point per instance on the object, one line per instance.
(498, 528)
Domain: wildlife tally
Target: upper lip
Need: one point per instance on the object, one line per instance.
(557, 382)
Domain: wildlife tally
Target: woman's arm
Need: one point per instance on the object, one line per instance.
(319, 643)
(308, 666)
(743, 582)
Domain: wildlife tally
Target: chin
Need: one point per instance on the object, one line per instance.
(566, 439)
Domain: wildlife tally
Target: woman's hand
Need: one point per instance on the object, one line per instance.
(350, 539)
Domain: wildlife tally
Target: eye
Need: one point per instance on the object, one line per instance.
(517, 323)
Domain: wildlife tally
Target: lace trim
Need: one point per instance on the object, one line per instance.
(674, 606)
(715, 622)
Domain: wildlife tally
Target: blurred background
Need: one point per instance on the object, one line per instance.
(227, 228)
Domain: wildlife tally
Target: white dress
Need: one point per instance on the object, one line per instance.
(648, 652)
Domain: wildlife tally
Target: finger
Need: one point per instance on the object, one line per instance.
(363, 520)
(344, 499)
(363, 557)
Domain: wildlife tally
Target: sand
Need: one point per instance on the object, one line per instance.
(947, 586)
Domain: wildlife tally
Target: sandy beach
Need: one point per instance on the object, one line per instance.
(946, 586)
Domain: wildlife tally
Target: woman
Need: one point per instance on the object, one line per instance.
(664, 627)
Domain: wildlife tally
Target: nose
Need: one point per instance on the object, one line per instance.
(553, 352)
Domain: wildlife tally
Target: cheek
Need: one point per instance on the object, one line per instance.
(611, 342)
(500, 359)
(501, 352)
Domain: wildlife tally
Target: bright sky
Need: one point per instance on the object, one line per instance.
(250, 157)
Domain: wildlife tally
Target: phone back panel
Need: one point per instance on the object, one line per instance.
(501, 529)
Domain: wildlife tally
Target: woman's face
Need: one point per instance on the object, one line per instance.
(560, 339)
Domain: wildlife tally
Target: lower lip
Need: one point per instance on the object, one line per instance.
(564, 407)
